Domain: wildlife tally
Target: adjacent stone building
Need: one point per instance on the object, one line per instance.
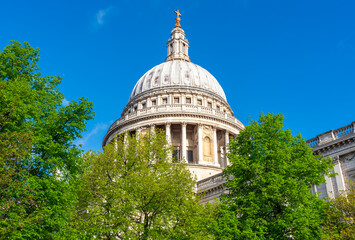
(338, 144)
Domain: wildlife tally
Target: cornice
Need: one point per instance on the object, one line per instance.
(335, 144)
(165, 115)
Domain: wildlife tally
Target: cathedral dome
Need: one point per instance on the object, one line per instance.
(178, 74)
(187, 102)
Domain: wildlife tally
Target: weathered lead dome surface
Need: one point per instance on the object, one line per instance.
(177, 73)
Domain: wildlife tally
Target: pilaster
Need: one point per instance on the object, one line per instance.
(215, 149)
(200, 147)
(183, 141)
(168, 132)
(226, 141)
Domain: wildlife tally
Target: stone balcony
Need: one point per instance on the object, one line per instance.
(180, 109)
(211, 188)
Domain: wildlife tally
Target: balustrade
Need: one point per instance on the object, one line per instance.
(313, 142)
(218, 178)
(338, 133)
(172, 108)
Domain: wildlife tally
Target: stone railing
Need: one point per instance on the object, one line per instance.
(340, 132)
(210, 181)
(181, 108)
(313, 142)
(211, 188)
(331, 135)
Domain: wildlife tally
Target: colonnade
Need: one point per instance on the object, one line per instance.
(200, 159)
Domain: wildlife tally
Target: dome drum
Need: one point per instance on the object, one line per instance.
(177, 96)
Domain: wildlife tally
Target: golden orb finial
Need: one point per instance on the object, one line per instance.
(177, 19)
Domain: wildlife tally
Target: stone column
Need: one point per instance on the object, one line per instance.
(115, 139)
(152, 127)
(222, 164)
(314, 188)
(183, 141)
(200, 148)
(339, 177)
(215, 148)
(125, 136)
(138, 132)
(149, 102)
(168, 132)
(329, 187)
(226, 141)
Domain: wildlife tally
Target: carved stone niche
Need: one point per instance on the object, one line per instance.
(207, 139)
(347, 162)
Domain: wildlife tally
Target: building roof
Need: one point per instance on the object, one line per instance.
(179, 74)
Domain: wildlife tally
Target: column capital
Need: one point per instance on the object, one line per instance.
(183, 124)
(168, 124)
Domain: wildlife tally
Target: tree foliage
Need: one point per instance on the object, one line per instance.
(268, 185)
(340, 221)
(132, 190)
(39, 162)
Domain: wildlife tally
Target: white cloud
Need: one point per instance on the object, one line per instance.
(65, 102)
(100, 15)
(97, 130)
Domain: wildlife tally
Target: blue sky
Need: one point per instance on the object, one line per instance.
(293, 57)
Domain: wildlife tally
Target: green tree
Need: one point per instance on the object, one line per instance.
(39, 163)
(340, 221)
(269, 183)
(132, 190)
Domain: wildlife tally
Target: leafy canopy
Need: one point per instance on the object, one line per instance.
(39, 163)
(269, 182)
(340, 221)
(133, 190)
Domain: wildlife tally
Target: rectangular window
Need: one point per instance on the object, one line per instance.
(190, 156)
(218, 108)
(154, 102)
(188, 100)
(144, 105)
(135, 108)
(176, 100)
(199, 101)
(165, 101)
(176, 155)
(209, 104)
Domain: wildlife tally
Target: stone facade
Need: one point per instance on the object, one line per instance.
(338, 144)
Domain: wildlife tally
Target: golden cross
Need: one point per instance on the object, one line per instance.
(177, 13)
(177, 19)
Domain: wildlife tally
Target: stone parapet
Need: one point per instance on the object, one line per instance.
(331, 135)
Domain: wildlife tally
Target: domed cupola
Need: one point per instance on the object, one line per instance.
(178, 45)
(178, 71)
